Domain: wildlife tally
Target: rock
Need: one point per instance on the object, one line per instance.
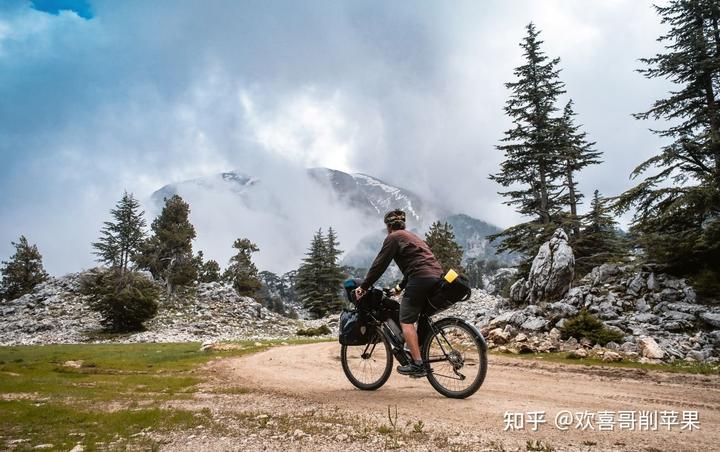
(77, 448)
(636, 285)
(649, 348)
(611, 357)
(534, 324)
(73, 364)
(712, 319)
(552, 270)
(517, 291)
(651, 283)
(520, 337)
(602, 273)
(498, 336)
(612, 345)
(578, 354)
(562, 310)
(560, 323)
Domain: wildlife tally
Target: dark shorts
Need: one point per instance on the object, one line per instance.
(415, 298)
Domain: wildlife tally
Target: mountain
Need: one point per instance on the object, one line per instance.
(280, 213)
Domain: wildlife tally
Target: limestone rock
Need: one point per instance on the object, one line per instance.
(552, 270)
(649, 348)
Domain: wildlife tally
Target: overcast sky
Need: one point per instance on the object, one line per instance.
(101, 96)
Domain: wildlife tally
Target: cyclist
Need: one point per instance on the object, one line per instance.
(421, 272)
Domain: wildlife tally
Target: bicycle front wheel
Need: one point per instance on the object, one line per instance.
(368, 367)
(457, 358)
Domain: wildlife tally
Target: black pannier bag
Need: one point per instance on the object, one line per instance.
(354, 328)
(447, 294)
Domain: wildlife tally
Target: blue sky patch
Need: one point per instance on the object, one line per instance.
(80, 7)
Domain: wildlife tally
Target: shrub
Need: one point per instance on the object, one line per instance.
(585, 325)
(319, 331)
(124, 299)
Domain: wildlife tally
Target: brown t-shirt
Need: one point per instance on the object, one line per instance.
(411, 254)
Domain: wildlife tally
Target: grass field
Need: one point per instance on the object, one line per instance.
(100, 396)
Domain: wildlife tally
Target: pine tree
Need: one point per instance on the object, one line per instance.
(241, 271)
(599, 242)
(576, 153)
(22, 272)
(168, 253)
(121, 240)
(531, 166)
(207, 271)
(677, 216)
(441, 240)
(318, 279)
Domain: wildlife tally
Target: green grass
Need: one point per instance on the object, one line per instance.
(116, 392)
(676, 367)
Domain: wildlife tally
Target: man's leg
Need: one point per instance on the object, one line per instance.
(411, 339)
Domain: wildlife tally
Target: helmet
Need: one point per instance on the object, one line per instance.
(395, 219)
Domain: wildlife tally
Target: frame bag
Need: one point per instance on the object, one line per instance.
(447, 294)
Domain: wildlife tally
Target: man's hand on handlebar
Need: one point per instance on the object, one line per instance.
(360, 292)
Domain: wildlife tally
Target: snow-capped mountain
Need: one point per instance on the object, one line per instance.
(281, 214)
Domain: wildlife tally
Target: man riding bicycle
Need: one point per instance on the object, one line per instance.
(421, 273)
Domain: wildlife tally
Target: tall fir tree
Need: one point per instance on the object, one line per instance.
(168, 253)
(441, 240)
(677, 209)
(121, 239)
(318, 279)
(600, 241)
(207, 271)
(241, 271)
(22, 272)
(532, 170)
(576, 153)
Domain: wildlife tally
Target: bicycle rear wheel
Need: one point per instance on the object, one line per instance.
(368, 367)
(457, 357)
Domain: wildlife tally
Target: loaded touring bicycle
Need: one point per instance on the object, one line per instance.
(453, 349)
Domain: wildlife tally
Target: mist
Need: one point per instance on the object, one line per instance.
(135, 95)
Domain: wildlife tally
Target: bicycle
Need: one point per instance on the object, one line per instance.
(451, 348)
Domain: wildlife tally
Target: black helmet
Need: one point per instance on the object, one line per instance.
(395, 219)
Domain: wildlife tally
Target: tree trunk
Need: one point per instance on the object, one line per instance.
(573, 203)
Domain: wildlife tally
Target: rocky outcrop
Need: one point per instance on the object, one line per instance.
(658, 316)
(56, 312)
(551, 274)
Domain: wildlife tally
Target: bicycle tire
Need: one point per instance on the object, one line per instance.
(482, 357)
(385, 375)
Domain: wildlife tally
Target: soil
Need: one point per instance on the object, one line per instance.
(298, 398)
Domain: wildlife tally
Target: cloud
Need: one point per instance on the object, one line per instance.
(134, 95)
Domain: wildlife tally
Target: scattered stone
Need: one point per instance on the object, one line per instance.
(610, 356)
(649, 348)
(578, 354)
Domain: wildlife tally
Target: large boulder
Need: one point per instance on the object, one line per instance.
(649, 348)
(552, 270)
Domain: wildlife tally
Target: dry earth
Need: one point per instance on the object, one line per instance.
(297, 398)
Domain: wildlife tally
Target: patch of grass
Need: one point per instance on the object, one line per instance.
(585, 325)
(538, 446)
(319, 331)
(64, 426)
(676, 367)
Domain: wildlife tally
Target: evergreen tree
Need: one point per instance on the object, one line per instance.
(677, 216)
(532, 166)
(474, 270)
(575, 153)
(599, 242)
(319, 277)
(120, 240)
(22, 272)
(168, 253)
(241, 271)
(441, 240)
(207, 271)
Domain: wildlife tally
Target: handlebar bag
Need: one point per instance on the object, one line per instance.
(447, 294)
(354, 328)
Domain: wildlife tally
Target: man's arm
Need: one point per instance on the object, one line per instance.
(381, 262)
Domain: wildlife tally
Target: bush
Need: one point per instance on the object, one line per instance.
(319, 331)
(125, 300)
(585, 325)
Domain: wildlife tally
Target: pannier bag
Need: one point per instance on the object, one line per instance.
(451, 289)
(354, 328)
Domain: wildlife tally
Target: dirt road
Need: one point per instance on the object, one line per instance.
(311, 375)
